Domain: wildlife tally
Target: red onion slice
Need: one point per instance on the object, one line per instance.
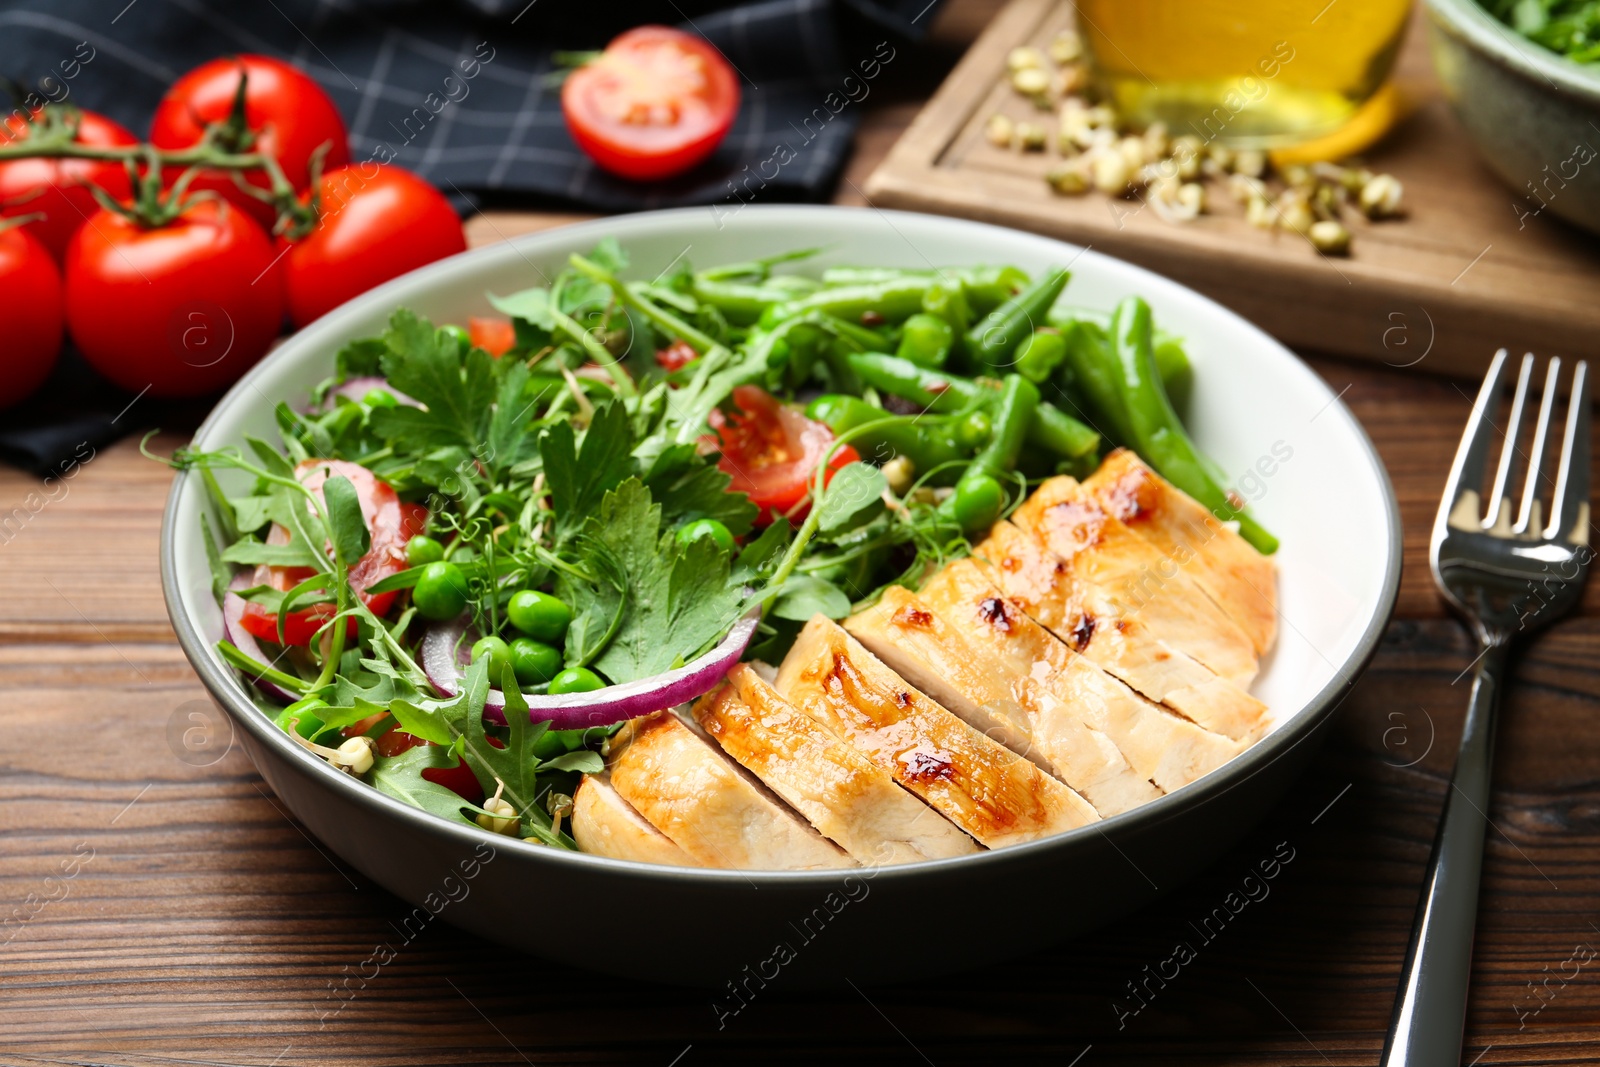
(233, 606)
(356, 388)
(600, 707)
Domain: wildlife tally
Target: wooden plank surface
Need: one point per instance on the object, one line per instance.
(1460, 275)
(200, 925)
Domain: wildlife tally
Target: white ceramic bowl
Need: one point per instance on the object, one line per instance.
(1291, 446)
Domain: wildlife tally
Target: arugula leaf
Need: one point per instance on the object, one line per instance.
(585, 761)
(854, 495)
(688, 487)
(578, 477)
(760, 557)
(401, 777)
(250, 513)
(806, 595)
(422, 721)
(220, 576)
(679, 599)
(348, 528)
(249, 552)
(515, 765)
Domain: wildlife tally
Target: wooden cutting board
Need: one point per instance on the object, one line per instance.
(1440, 289)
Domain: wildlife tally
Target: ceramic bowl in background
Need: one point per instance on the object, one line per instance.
(1534, 115)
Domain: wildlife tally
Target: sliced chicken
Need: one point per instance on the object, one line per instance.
(1140, 580)
(1159, 745)
(1009, 707)
(709, 808)
(849, 798)
(606, 825)
(980, 785)
(1241, 581)
(1089, 621)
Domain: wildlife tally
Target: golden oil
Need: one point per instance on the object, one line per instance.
(1245, 73)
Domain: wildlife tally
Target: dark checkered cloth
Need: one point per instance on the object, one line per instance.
(399, 72)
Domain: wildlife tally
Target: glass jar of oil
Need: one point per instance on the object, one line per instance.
(1244, 73)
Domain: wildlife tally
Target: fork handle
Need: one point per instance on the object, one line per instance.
(1430, 1011)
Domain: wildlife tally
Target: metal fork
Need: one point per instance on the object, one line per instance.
(1506, 578)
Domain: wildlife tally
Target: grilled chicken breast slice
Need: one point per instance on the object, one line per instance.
(1159, 745)
(1241, 581)
(846, 796)
(1142, 581)
(1048, 589)
(606, 825)
(980, 785)
(916, 643)
(696, 796)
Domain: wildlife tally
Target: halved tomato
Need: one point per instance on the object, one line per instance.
(676, 356)
(656, 102)
(391, 524)
(458, 779)
(494, 336)
(771, 451)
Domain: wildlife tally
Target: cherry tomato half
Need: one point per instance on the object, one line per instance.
(377, 223)
(32, 284)
(771, 451)
(656, 102)
(494, 336)
(59, 188)
(676, 356)
(288, 114)
(182, 309)
(388, 523)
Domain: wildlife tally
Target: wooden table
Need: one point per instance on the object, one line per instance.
(155, 912)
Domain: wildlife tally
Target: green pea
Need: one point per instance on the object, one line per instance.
(422, 550)
(497, 652)
(978, 502)
(534, 662)
(379, 398)
(441, 592)
(453, 335)
(539, 615)
(974, 430)
(691, 532)
(925, 340)
(576, 680)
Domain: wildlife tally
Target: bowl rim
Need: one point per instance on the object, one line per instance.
(1468, 19)
(229, 692)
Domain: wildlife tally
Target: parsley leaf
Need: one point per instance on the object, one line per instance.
(578, 477)
(456, 388)
(689, 487)
(680, 599)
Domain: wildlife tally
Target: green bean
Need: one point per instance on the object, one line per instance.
(992, 340)
(1094, 376)
(974, 506)
(740, 302)
(1157, 434)
(1040, 353)
(928, 442)
(1050, 428)
(891, 301)
(926, 339)
(1171, 358)
(985, 288)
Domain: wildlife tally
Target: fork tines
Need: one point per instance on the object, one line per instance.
(1462, 508)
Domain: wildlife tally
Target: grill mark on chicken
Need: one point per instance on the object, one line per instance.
(989, 791)
(993, 611)
(1082, 631)
(1132, 496)
(1083, 522)
(914, 617)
